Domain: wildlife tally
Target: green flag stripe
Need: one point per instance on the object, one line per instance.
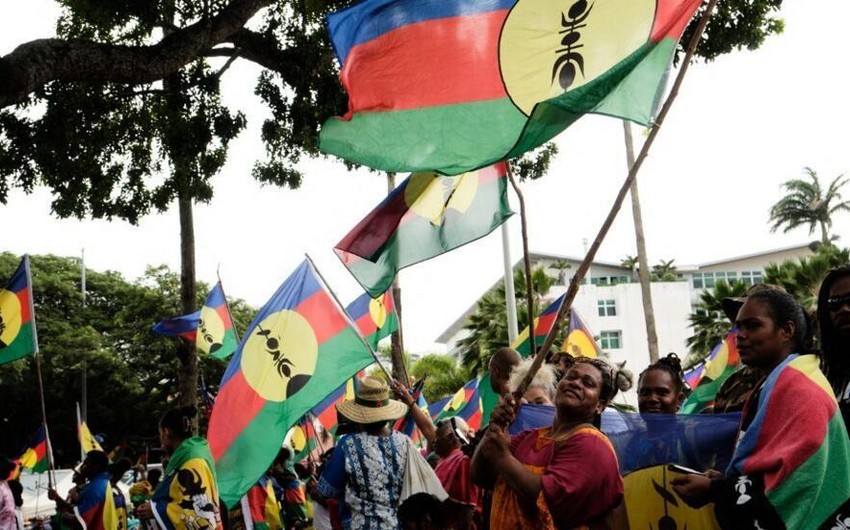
(23, 345)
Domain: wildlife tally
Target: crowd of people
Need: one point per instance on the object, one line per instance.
(789, 467)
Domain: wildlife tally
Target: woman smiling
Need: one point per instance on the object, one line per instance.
(563, 476)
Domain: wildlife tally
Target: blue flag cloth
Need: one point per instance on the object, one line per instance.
(185, 326)
(699, 441)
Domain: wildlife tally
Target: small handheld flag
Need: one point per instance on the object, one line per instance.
(35, 457)
(375, 318)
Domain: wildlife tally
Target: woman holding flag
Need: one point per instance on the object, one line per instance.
(187, 496)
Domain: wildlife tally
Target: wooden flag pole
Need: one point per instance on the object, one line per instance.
(618, 202)
(50, 480)
(529, 286)
(347, 318)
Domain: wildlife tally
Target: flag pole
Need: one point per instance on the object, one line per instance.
(347, 318)
(227, 304)
(510, 291)
(529, 286)
(572, 291)
(38, 368)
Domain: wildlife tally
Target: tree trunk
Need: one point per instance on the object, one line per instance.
(397, 337)
(640, 241)
(188, 376)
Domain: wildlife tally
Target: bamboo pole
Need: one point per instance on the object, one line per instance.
(572, 291)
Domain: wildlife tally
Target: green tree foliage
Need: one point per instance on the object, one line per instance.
(131, 370)
(734, 25)
(708, 320)
(665, 271)
(444, 376)
(802, 277)
(488, 325)
(807, 203)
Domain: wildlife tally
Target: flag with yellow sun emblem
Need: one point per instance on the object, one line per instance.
(425, 216)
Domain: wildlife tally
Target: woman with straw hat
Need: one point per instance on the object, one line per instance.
(368, 467)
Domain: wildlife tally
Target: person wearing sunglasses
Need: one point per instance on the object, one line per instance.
(833, 314)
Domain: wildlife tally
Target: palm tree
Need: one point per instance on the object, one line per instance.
(806, 203)
(488, 326)
(561, 265)
(708, 321)
(444, 376)
(665, 271)
(631, 263)
(802, 278)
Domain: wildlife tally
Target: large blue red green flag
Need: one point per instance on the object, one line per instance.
(35, 456)
(425, 216)
(17, 319)
(216, 335)
(719, 365)
(185, 326)
(298, 349)
(580, 341)
(453, 86)
(375, 318)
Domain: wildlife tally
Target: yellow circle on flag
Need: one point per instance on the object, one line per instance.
(279, 356)
(652, 503)
(210, 331)
(578, 344)
(457, 400)
(431, 196)
(378, 312)
(10, 317)
(714, 368)
(549, 47)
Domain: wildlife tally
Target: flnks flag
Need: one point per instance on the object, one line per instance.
(185, 326)
(425, 216)
(721, 363)
(17, 323)
(216, 335)
(452, 86)
(297, 350)
(35, 457)
(375, 318)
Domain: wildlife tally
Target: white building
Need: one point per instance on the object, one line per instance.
(611, 303)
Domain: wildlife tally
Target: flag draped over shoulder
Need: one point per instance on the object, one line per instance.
(720, 364)
(35, 456)
(802, 476)
(216, 335)
(425, 216)
(95, 509)
(187, 496)
(298, 349)
(17, 322)
(185, 326)
(452, 86)
(375, 318)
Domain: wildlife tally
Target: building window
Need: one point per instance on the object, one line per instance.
(606, 308)
(751, 277)
(610, 280)
(707, 280)
(610, 340)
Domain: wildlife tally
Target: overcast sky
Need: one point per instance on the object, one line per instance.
(741, 126)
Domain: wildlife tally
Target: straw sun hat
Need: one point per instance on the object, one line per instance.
(372, 403)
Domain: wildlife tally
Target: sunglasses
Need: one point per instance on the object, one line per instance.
(835, 304)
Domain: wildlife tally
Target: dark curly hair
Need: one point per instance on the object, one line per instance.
(671, 364)
(180, 421)
(836, 362)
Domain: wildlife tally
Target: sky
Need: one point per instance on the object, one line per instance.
(741, 126)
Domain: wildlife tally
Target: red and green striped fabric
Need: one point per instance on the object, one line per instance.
(797, 443)
(375, 318)
(298, 349)
(722, 362)
(453, 86)
(425, 216)
(17, 325)
(35, 457)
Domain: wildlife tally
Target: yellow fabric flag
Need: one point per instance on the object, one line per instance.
(87, 441)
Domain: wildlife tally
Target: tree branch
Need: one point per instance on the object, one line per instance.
(36, 63)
